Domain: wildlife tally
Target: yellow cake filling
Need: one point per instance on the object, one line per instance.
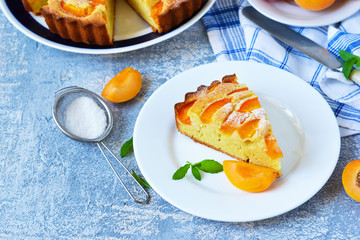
(144, 8)
(110, 14)
(35, 5)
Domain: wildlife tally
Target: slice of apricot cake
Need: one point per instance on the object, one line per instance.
(228, 117)
(87, 21)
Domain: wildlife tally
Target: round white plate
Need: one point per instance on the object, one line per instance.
(291, 14)
(303, 124)
(129, 34)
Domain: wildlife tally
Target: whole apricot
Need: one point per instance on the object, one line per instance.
(314, 5)
(351, 179)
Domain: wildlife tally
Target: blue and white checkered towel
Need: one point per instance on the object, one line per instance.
(234, 37)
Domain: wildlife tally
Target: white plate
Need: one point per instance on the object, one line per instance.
(291, 14)
(303, 123)
(131, 34)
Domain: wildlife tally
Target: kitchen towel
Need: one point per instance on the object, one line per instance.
(234, 37)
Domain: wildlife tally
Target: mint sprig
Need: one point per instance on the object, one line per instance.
(126, 147)
(207, 165)
(349, 61)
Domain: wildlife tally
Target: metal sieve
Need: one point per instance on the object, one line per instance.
(62, 100)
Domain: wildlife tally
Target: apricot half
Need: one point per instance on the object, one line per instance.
(123, 86)
(249, 177)
(314, 5)
(351, 179)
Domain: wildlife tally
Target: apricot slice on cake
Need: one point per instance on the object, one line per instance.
(272, 148)
(238, 90)
(183, 113)
(249, 177)
(250, 104)
(206, 116)
(248, 129)
(80, 8)
(351, 179)
(233, 121)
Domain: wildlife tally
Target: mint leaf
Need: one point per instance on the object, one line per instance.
(349, 61)
(196, 173)
(358, 63)
(209, 166)
(126, 147)
(348, 66)
(140, 180)
(181, 172)
(345, 56)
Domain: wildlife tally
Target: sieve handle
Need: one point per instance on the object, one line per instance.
(147, 196)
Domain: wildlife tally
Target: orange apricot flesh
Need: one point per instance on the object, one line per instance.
(75, 10)
(248, 129)
(351, 179)
(82, 9)
(156, 9)
(314, 5)
(249, 177)
(250, 104)
(183, 113)
(123, 86)
(233, 121)
(272, 148)
(238, 90)
(206, 116)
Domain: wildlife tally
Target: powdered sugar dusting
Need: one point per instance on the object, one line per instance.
(259, 113)
(84, 118)
(237, 118)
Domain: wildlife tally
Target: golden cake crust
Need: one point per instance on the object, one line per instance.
(175, 12)
(27, 6)
(90, 29)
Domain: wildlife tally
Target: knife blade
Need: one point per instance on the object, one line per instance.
(298, 41)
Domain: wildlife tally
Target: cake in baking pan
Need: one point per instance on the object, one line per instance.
(92, 21)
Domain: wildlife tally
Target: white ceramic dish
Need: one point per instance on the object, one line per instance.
(132, 34)
(291, 14)
(303, 123)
